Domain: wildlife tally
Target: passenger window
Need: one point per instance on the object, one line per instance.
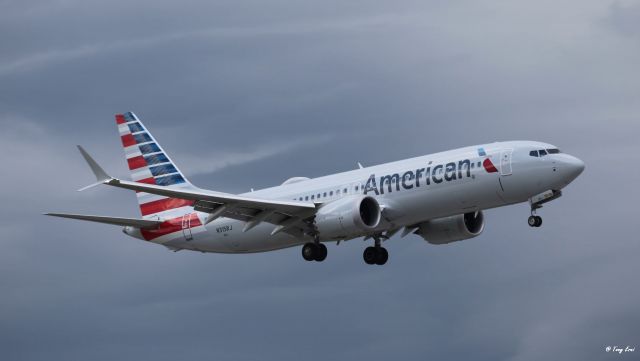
(338, 191)
(478, 164)
(312, 196)
(473, 165)
(356, 188)
(325, 194)
(344, 190)
(543, 152)
(533, 153)
(331, 193)
(306, 198)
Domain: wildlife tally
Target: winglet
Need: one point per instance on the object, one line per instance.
(101, 175)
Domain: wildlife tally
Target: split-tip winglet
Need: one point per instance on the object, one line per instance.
(101, 176)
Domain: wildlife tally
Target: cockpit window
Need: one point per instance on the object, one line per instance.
(533, 153)
(553, 151)
(543, 152)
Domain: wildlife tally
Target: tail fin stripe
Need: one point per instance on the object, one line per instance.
(132, 151)
(120, 119)
(129, 117)
(170, 180)
(163, 205)
(149, 180)
(128, 140)
(156, 159)
(142, 138)
(135, 127)
(149, 148)
(163, 170)
(142, 174)
(136, 162)
(123, 129)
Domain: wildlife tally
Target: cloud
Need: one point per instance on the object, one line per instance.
(56, 56)
(216, 161)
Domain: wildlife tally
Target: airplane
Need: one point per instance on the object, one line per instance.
(440, 197)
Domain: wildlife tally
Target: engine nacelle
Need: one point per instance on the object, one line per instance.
(451, 229)
(348, 217)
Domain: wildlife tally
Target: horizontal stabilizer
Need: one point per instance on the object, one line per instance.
(118, 221)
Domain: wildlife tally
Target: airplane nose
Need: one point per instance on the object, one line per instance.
(573, 167)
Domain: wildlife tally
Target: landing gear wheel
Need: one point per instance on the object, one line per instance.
(309, 251)
(538, 221)
(381, 256)
(534, 221)
(321, 252)
(369, 255)
(314, 252)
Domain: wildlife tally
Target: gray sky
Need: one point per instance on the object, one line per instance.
(247, 94)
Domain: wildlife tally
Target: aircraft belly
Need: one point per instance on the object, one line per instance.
(225, 235)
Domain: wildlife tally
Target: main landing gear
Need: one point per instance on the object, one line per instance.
(376, 254)
(314, 251)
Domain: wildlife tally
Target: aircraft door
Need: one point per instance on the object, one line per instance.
(186, 226)
(505, 162)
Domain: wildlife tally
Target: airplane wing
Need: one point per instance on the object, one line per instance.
(286, 215)
(118, 221)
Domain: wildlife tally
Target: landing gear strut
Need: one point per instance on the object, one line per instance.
(534, 220)
(537, 201)
(314, 251)
(375, 255)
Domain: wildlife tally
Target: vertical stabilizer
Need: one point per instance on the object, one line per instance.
(150, 164)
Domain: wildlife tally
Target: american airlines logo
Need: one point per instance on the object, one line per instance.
(437, 174)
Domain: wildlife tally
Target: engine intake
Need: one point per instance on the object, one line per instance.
(348, 217)
(453, 228)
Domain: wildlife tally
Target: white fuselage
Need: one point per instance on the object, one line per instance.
(425, 188)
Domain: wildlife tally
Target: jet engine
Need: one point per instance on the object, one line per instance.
(451, 229)
(348, 217)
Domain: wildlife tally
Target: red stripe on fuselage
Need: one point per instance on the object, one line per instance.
(488, 166)
(137, 162)
(170, 226)
(163, 205)
(128, 140)
(120, 119)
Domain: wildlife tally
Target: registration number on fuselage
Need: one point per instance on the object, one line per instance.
(224, 229)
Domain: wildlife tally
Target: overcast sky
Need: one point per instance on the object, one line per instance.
(248, 93)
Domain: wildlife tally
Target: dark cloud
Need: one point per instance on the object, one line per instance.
(248, 94)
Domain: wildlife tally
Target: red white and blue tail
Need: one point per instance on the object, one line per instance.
(150, 164)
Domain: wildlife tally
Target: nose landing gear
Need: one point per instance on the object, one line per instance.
(537, 201)
(534, 221)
